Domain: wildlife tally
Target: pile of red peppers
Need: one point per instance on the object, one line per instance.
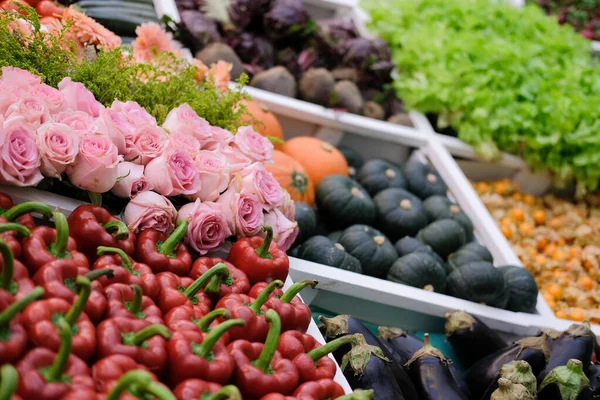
(90, 311)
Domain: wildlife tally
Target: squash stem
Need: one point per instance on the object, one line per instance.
(263, 250)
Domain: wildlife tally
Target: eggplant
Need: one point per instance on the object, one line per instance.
(484, 372)
(518, 372)
(471, 338)
(577, 343)
(565, 382)
(508, 390)
(429, 370)
(347, 325)
(592, 392)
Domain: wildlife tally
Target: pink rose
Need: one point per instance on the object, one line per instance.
(115, 125)
(184, 118)
(207, 228)
(19, 77)
(243, 212)
(8, 97)
(95, 168)
(149, 210)
(130, 180)
(237, 160)
(218, 140)
(147, 143)
(79, 121)
(173, 173)
(285, 231)
(33, 110)
(78, 98)
(253, 144)
(214, 175)
(256, 180)
(19, 156)
(135, 114)
(181, 140)
(58, 145)
(288, 206)
(53, 98)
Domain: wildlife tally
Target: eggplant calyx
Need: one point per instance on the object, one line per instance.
(579, 330)
(536, 343)
(458, 321)
(389, 333)
(552, 333)
(519, 372)
(360, 355)
(508, 390)
(569, 378)
(428, 350)
(336, 326)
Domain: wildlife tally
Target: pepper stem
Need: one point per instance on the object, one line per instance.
(168, 246)
(135, 306)
(296, 288)
(143, 383)
(125, 261)
(204, 349)
(204, 322)
(57, 369)
(13, 226)
(199, 283)
(264, 295)
(121, 233)
(263, 250)
(27, 207)
(11, 311)
(85, 289)
(9, 378)
(161, 392)
(322, 351)
(359, 394)
(270, 347)
(8, 267)
(99, 273)
(59, 248)
(228, 392)
(141, 336)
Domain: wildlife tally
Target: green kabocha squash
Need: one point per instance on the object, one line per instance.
(307, 221)
(419, 270)
(479, 282)
(408, 245)
(343, 202)
(399, 213)
(423, 180)
(440, 207)
(354, 159)
(377, 175)
(462, 257)
(523, 290)
(294, 252)
(445, 236)
(480, 250)
(335, 236)
(321, 250)
(371, 247)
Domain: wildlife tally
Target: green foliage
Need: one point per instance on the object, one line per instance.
(505, 78)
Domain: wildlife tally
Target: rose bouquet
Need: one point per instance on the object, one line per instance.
(65, 134)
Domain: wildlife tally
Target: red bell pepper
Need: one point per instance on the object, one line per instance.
(40, 317)
(294, 314)
(9, 379)
(13, 337)
(237, 282)
(46, 375)
(261, 259)
(181, 291)
(135, 338)
(201, 355)
(127, 301)
(323, 389)
(260, 369)
(293, 343)
(164, 253)
(191, 319)
(107, 371)
(316, 364)
(46, 244)
(251, 311)
(21, 213)
(9, 232)
(194, 389)
(91, 227)
(14, 278)
(58, 280)
(142, 384)
(126, 271)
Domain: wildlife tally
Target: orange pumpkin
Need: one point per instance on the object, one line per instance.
(319, 158)
(264, 122)
(291, 176)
